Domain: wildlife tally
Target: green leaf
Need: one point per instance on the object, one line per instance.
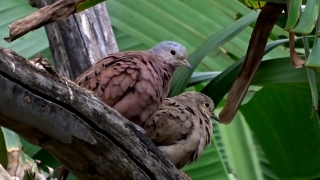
(216, 40)
(242, 157)
(311, 75)
(313, 60)
(140, 22)
(308, 17)
(3, 151)
(280, 71)
(293, 14)
(313, 63)
(220, 85)
(254, 4)
(287, 134)
(278, 1)
(264, 164)
(47, 160)
(200, 77)
(250, 93)
(87, 4)
(12, 140)
(30, 149)
(12, 143)
(274, 1)
(314, 90)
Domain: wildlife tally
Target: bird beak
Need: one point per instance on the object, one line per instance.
(215, 117)
(186, 63)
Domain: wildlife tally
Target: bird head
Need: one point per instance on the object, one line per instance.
(173, 53)
(208, 103)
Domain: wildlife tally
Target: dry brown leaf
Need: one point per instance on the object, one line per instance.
(4, 175)
(15, 165)
(266, 20)
(294, 57)
(35, 171)
(38, 176)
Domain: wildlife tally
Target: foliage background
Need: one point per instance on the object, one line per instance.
(273, 135)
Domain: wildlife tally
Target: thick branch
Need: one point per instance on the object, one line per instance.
(91, 139)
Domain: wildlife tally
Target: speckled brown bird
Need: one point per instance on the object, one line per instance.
(134, 83)
(182, 128)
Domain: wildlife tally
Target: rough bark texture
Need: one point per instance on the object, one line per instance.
(91, 139)
(79, 40)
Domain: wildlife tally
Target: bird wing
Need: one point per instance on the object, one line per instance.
(119, 80)
(110, 78)
(171, 123)
(180, 130)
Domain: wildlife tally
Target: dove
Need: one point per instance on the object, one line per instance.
(182, 127)
(134, 83)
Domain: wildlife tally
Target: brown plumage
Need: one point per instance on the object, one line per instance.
(182, 128)
(135, 83)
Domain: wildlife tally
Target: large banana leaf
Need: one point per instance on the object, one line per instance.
(242, 159)
(278, 74)
(188, 22)
(289, 133)
(140, 24)
(289, 137)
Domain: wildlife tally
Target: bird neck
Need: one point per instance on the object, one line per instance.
(167, 74)
(172, 67)
(168, 70)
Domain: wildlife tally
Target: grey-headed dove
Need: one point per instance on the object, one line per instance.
(182, 128)
(134, 83)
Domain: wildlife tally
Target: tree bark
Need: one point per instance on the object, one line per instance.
(91, 139)
(80, 40)
(88, 137)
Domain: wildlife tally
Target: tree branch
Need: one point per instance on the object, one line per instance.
(91, 139)
(59, 10)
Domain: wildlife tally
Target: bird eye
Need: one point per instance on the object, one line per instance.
(206, 104)
(173, 52)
